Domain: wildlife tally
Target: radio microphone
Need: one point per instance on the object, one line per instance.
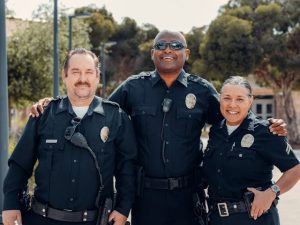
(166, 105)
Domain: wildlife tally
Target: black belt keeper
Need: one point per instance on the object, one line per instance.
(168, 183)
(64, 215)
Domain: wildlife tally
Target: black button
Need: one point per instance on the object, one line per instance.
(73, 180)
(71, 199)
(75, 161)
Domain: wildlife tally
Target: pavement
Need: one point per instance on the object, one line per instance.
(289, 203)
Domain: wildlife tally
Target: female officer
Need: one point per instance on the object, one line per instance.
(239, 159)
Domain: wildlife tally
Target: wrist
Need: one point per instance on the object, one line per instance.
(275, 189)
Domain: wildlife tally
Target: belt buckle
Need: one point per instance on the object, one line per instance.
(223, 209)
(173, 183)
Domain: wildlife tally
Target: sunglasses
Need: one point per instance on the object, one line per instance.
(69, 132)
(173, 45)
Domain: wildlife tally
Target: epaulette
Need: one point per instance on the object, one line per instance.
(58, 97)
(197, 79)
(111, 103)
(141, 75)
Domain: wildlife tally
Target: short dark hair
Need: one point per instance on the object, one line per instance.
(80, 51)
(238, 80)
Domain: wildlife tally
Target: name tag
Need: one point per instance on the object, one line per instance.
(51, 141)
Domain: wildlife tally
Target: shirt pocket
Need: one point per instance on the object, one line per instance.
(141, 118)
(241, 154)
(49, 157)
(51, 150)
(188, 122)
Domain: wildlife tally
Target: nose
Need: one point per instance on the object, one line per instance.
(232, 103)
(82, 77)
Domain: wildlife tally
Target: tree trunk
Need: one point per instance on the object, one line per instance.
(285, 108)
(290, 114)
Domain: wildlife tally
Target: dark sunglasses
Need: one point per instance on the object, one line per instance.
(173, 45)
(69, 132)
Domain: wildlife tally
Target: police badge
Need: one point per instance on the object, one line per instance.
(190, 101)
(247, 140)
(104, 134)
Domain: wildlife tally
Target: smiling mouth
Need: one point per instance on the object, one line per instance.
(167, 58)
(232, 112)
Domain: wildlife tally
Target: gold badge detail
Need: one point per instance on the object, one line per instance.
(190, 101)
(104, 134)
(247, 140)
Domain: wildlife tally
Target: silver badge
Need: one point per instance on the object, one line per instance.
(190, 101)
(104, 134)
(247, 140)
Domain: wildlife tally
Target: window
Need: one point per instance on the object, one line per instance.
(258, 109)
(269, 109)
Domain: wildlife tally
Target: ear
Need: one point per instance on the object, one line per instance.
(152, 54)
(187, 54)
(98, 73)
(63, 75)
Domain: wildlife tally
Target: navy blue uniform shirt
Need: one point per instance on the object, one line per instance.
(66, 175)
(244, 159)
(141, 96)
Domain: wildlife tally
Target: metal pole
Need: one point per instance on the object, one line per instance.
(70, 32)
(103, 72)
(55, 52)
(3, 103)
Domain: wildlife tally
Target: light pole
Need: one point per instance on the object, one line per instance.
(55, 52)
(3, 103)
(104, 47)
(84, 15)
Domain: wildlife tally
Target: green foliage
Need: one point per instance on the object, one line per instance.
(30, 58)
(101, 23)
(228, 47)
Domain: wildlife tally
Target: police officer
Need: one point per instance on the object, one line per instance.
(169, 108)
(239, 159)
(80, 142)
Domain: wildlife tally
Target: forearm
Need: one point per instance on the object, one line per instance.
(14, 182)
(289, 179)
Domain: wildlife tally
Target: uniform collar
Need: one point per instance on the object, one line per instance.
(182, 78)
(247, 124)
(95, 106)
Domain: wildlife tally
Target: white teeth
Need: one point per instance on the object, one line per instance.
(168, 57)
(232, 112)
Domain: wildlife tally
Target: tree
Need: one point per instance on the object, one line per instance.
(30, 53)
(193, 39)
(102, 25)
(260, 36)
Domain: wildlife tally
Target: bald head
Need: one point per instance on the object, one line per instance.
(167, 33)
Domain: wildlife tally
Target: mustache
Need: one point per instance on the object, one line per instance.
(82, 83)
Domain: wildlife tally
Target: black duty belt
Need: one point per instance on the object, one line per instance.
(227, 208)
(168, 183)
(64, 215)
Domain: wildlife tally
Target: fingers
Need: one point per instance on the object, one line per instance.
(253, 190)
(19, 219)
(278, 127)
(11, 217)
